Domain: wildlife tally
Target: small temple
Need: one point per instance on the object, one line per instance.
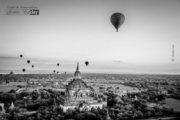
(79, 94)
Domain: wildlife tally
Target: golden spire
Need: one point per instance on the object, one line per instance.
(77, 69)
(77, 74)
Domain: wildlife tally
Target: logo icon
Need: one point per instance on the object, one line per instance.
(32, 12)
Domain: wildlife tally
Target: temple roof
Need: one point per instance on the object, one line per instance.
(11, 73)
(77, 82)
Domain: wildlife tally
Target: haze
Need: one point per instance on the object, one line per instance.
(71, 31)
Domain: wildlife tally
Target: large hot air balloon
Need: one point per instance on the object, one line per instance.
(21, 56)
(28, 61)
(23, 70)
(58, 64)
(117, 19)
(32, 66)
(87, 63)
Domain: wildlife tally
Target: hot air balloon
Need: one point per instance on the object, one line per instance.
(28, 61)
(54, 71)
(23, 70)
(87, 63)
(57, 72)
(32, 66)
(58, 64)
(117, 19)
(21, 56)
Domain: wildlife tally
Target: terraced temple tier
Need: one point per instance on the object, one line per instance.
(79, 94)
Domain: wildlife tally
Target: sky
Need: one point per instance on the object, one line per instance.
(71, 31)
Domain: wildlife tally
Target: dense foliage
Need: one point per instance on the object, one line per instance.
(44, 105)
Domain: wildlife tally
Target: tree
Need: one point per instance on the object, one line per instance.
(6, 98)
(161, 97)
(119, 116)
(60, 117)
(118, 100)
(24, 94)
(114, 99)
(149, 114)
(69, 114)
(167, 110)
(90, 116)
(158, 114)
(7, 81)
(171, 91)
(34, 95)
(93, 110)
(12, 97)
(139, 114)
(80, 116)
(12, 91)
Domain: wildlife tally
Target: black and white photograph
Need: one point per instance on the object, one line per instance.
(90, 60)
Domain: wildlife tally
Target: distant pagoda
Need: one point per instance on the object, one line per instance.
(11, 73)
(78, 94)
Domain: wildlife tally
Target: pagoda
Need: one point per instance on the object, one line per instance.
(80, 95)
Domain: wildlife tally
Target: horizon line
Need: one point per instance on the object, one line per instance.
(60, 73)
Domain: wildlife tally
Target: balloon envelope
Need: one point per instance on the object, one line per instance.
(32, 65)
(58, 64)
(28, 61)
(21, 55)
(87, 63)
(117, 19)
(23, 70)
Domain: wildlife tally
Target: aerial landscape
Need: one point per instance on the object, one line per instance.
(90, 60)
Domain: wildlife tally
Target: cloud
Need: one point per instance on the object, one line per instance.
(117, 62)
(47, 63)
(7, 57)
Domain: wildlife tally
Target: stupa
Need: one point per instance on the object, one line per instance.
(80, 95)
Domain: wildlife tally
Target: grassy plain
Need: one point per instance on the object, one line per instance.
(174, 103)
(12, 85)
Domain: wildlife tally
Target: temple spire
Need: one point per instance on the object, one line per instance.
(77, 74)
(77, 69)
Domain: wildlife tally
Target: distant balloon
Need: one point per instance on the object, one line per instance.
(87, 63)
(32, 66)
(57, 72)
(23, 70)
(117, 19)
(28, 61)
(21, 56)
(54, 71)
(58, 64)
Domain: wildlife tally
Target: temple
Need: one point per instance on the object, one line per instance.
(79, 95)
